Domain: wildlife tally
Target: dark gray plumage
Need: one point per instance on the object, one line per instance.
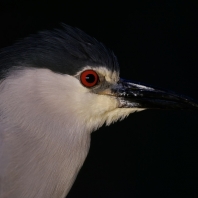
(63, 51)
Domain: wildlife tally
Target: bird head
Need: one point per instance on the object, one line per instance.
(71, 76)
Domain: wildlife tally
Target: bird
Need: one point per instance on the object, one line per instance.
(56, 88)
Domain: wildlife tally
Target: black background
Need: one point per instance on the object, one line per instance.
(151, 153)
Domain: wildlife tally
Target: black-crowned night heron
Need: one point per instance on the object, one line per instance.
(57, 87)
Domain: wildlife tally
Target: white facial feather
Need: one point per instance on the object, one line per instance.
(46, 120)
(34, 92)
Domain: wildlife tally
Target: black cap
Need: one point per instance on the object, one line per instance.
(65, 51)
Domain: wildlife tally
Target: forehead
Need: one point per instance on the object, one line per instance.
(109, 75)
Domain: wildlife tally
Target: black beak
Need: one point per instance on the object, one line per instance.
(135, 95)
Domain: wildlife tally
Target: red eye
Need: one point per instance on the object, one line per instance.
(89, 78)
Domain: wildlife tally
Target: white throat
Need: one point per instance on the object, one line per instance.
(46, 120)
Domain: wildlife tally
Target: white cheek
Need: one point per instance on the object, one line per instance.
(40, 93)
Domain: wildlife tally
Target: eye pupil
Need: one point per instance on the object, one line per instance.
(90, 78)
